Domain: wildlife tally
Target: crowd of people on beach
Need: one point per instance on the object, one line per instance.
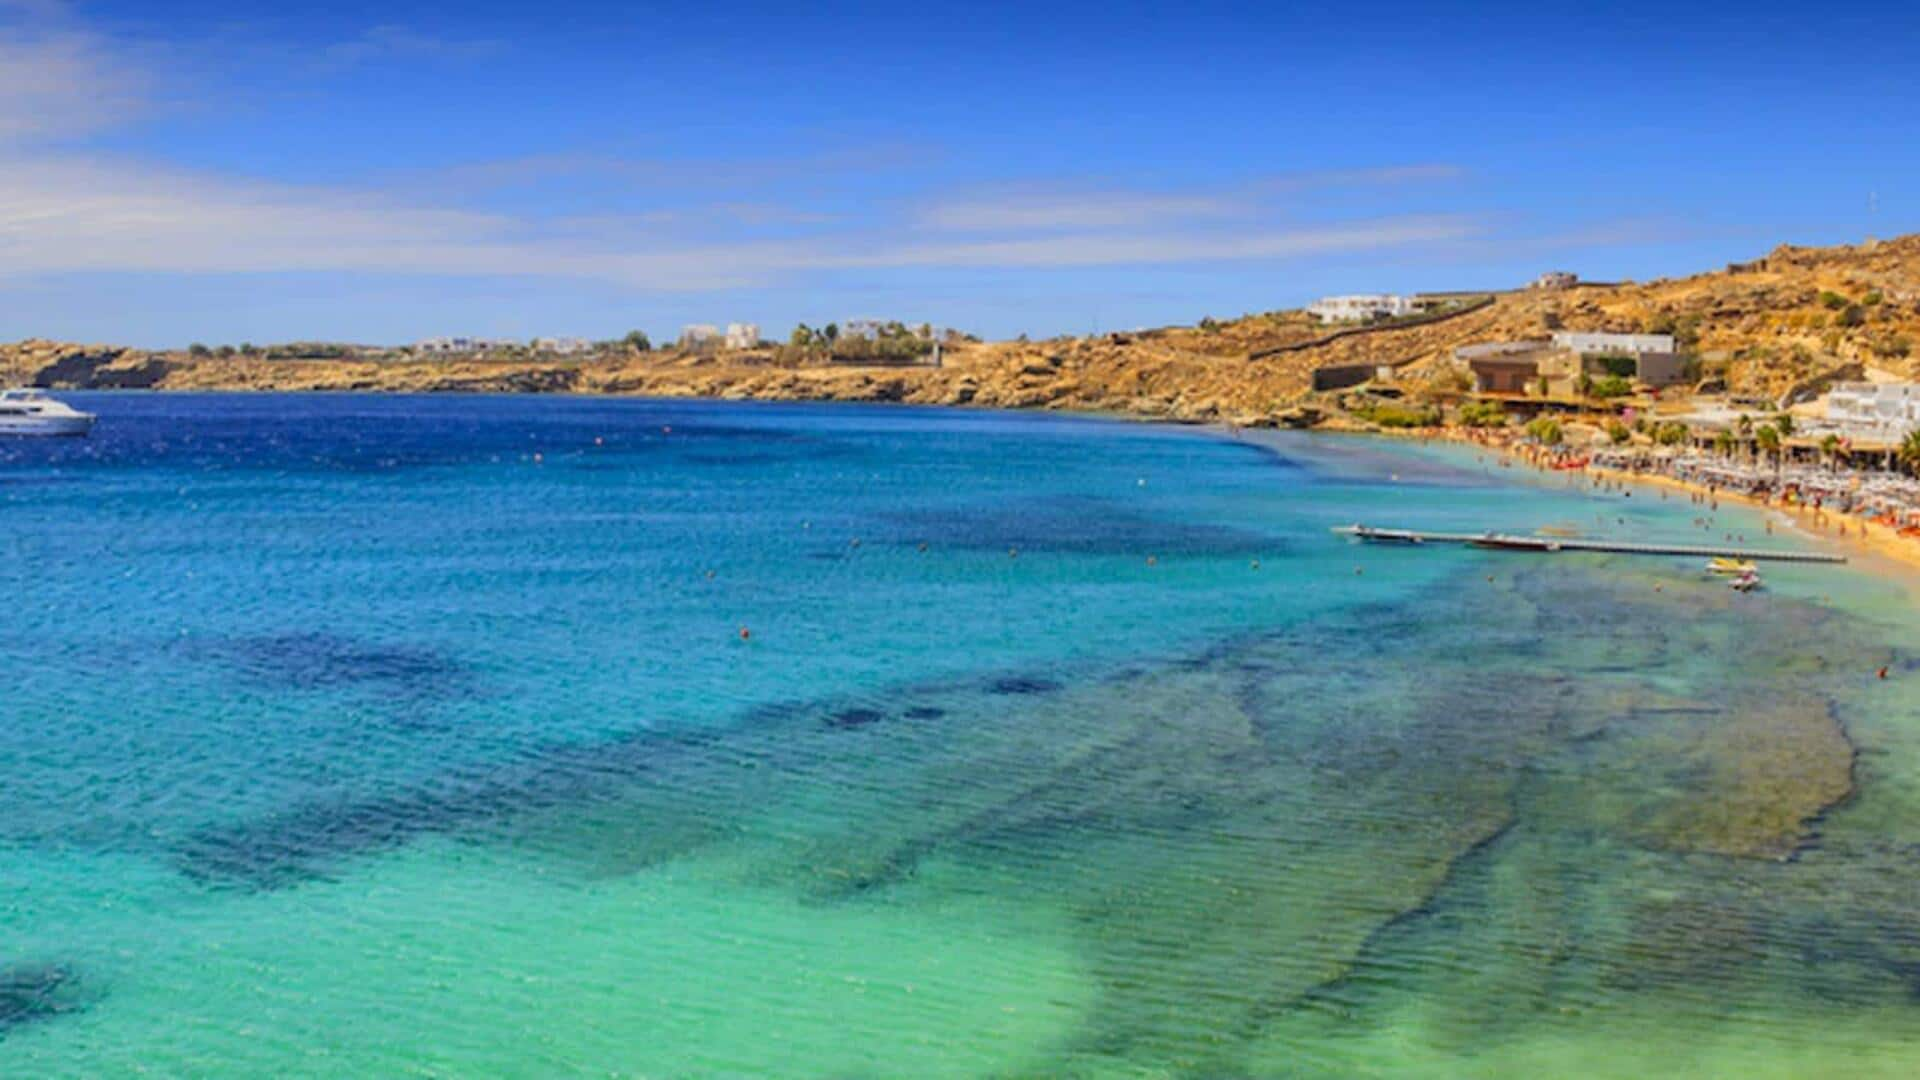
(1827, 491)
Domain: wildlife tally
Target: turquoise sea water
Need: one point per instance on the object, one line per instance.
(385, 736)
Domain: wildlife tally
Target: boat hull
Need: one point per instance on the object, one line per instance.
(46, 426)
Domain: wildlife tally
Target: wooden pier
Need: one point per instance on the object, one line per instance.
(1513, 542)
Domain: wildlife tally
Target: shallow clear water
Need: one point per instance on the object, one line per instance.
(379, 736)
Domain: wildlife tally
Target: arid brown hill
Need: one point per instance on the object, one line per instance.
(1766, 326)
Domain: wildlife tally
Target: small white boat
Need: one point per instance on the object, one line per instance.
(1746, 582)
(32, 412)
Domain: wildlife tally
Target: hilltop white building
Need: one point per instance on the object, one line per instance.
(563, 346)
(1359, 308)
(743, 335)
(462, 344)
(694, 335)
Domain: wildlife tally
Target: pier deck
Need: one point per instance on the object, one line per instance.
(1516, 542)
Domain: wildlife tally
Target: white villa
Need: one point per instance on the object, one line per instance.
(1359, 308)
(694, 334)
(1888, 410)
(1582, 341)
(462, 344)
(563, 346)
(743, 335)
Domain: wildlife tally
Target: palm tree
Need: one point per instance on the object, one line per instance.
(1830, 448)
(1784, 422)
(1909, 452)
(1766, 439)
(1723, 442)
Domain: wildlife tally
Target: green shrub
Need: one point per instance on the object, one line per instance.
(1389, 415)
(1832, 301)
(1547, 430)
(1619, 364)
(1852, 315)
(1892, 346)
(1483, 414)
(1612, 386)
(1618, 432)
(1872, 299)
(1671, 433)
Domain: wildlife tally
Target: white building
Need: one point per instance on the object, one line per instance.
(1359, 308)
(564, 346)
(1557, 279)
(743, 335)
(694, 335)
(1582, 341)
(462, 344)
(1888, 410)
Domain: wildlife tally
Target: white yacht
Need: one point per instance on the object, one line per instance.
(32, 412)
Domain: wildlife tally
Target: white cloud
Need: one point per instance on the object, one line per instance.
(1084, 211)
(57, 83)
(64, 211)
(75, 215)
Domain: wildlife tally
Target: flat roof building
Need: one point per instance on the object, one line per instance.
(1584, 341)
(1360, 307)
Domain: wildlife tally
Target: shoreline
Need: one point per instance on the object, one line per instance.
(1867, 543)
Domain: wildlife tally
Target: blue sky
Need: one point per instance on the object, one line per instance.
(383, 172)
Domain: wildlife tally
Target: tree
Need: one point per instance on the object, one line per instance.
(1723, 442)
(1743, 424)
(1618, 432)
(1671, 433)
(1830, 447)
(831, 333)
(1547, 430)
(1766, 438)
(637, 341)
(1784, 424)
(198, 349)
(1909, 452)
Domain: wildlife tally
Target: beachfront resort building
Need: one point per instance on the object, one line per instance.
(1360, 308)
(743, 335)
(1879, 410)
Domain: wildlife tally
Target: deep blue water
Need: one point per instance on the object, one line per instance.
(461, 735)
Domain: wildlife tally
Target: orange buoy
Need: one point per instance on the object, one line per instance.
(745, 633)
(1151, 561)
(1883, 671)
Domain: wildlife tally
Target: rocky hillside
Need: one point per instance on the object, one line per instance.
(1761, 327)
